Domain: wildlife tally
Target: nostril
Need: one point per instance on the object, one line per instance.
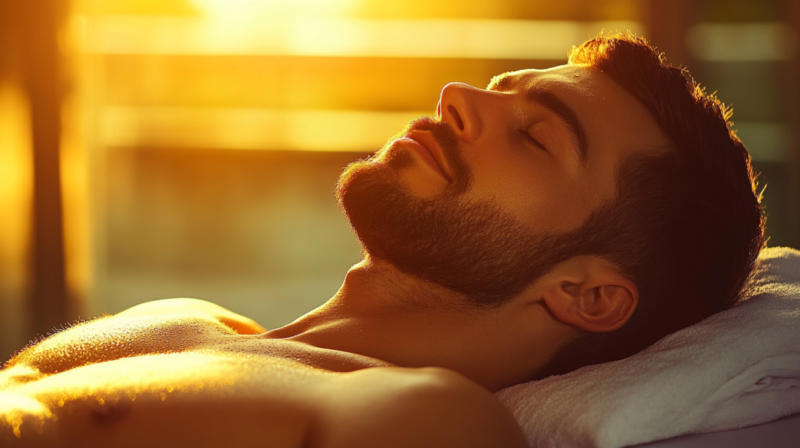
(454, 112)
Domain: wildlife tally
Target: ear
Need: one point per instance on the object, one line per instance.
(590, 293)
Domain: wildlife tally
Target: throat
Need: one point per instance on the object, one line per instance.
(384, 317)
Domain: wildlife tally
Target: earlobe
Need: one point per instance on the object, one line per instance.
(590, 293)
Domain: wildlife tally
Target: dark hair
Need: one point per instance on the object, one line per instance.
(686, 225)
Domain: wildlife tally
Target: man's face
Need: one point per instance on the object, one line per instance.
(468, 198)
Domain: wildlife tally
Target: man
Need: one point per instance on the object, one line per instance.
(558, 218)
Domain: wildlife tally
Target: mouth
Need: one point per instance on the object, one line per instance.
(423, 143)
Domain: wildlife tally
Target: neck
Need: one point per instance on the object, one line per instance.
(385, 314)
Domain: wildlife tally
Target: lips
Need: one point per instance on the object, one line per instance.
(426, 146)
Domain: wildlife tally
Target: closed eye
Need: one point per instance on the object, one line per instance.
(533, 140)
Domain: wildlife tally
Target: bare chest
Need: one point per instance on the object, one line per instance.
(179, 385)
(199, 397)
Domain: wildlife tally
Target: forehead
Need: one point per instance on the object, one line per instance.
(578, 77)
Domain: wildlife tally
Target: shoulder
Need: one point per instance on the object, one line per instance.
(430, 407)
(115, 337)
(197, 308)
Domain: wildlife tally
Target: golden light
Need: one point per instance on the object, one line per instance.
(302, 28)
(272, 10)
(16, 173)
(340, 36)
(300, 130)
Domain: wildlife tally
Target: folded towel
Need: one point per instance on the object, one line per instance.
(737, 368)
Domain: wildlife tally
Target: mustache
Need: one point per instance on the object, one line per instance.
(441, 131)
(448, 140)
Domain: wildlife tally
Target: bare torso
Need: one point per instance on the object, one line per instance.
(192, 381)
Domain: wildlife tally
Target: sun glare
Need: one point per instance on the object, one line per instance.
(259, 10)
(16, 173)
(14, 408)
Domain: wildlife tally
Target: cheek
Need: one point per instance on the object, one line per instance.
(532, 188)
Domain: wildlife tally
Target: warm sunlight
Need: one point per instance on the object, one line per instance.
(329, 36)
(17, 409)
(266, 99)
(290, 223)
(258, 10)
(302, 130)
(107, 384)
(15, 184)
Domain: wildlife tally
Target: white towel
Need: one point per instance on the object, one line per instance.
(737, 368)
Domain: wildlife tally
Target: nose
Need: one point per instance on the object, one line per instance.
(458, 104)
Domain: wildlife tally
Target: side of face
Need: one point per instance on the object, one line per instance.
(469, 198)
(548, 185)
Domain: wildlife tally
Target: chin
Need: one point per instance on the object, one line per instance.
(471, 248)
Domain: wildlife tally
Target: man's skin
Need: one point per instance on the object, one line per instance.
(391, 360)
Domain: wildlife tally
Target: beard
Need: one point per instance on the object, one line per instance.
(470, 247)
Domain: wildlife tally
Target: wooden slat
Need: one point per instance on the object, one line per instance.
(48, 302)
(294, 82)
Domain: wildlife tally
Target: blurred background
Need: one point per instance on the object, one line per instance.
(189, 148)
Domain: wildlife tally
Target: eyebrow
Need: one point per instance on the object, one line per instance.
(540, 95)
